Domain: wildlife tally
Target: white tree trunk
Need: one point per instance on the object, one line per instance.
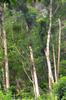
(34, 74)
(55, 68)
(6, 59)
(59, 44)
(3, 33)
(50, 75)
(47, 52)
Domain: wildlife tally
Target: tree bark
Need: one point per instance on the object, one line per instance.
(47, 52)
(3, 78)
(3, 33)
(59, 44)
(6, 59)
(55, 68)
(34, 74)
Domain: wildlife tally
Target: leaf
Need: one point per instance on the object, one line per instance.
(63, 1)
(13, 1)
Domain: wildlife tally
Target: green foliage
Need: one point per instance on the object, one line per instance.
(8, 1)
(5, 96)
(64, 97)
(25, 95)
(60, 88)
(26, 25)
(47, 96)
(63, 1)
(63, 68)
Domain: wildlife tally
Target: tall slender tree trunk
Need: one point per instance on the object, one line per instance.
(59, 44)
(55, 68)
(47, 52)
(3, 75)
(5, 48)
(34, 74)
(6, 59)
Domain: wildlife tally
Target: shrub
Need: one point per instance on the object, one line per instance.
(60, 89)
(5, 96)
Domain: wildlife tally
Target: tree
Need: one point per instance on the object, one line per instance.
(47, 52)
(34, 74)
(59, 44)
(3, 33)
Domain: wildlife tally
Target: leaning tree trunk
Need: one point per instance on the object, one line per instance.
(34, 74)
(59, 43)
(5, 49)
(47, 52)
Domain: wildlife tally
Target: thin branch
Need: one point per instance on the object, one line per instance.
(23, 64)
(56, 10)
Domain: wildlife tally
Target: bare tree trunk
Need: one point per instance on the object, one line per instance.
(55, 68)
(3, 34)
(5, 49)
(59, 43)
(6, 59)
(3, 78)
(34, 74)
(50, 76)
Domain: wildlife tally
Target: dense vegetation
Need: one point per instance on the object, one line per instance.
(32, 50)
